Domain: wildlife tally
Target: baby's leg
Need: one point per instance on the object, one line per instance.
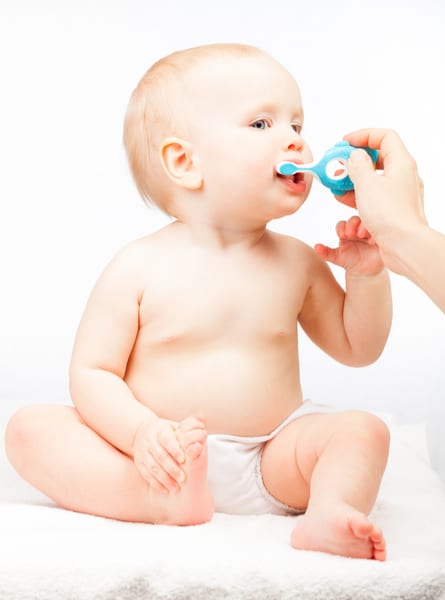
(53, 449)
(331, 465)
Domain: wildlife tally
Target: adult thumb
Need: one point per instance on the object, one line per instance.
(360, 165)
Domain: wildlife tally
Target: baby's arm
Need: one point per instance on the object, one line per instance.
(104, 341)
(352, 325)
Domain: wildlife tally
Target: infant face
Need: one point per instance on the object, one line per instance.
(246, 115)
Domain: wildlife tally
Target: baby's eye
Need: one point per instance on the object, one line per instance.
(260, 124)
(297, 127)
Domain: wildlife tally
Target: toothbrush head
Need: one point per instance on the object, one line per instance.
(331, 169)
(287, 168)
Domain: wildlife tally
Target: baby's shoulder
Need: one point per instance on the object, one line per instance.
(130, 256)
(293, 248)
(140, 250)
(296, 256)
(135, 259)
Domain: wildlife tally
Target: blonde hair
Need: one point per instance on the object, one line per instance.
(152, 115)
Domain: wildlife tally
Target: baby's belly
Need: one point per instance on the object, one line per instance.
(238, 393)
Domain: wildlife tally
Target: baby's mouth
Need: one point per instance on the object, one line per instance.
(297, 178)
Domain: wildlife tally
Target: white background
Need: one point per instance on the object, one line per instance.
(68, 202)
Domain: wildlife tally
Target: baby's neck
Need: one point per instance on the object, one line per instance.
(223, 237)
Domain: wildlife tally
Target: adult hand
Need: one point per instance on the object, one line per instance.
(390, 200)
(391, 208)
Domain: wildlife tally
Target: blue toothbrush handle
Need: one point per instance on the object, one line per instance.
(331, 169)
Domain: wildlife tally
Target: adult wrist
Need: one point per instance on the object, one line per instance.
(398, 245)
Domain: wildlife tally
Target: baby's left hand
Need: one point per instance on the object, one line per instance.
(357, 251)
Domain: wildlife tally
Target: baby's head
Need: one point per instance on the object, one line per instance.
(171, 132)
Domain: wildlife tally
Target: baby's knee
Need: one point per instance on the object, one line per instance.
(367, 425)
(21, 432)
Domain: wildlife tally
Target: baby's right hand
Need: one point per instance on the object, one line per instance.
(157, 455)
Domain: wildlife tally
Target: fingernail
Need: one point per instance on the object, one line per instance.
(181, 477)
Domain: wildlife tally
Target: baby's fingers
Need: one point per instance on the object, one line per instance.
(163, 473)
(363, 233)
(352, 227)
(340, 230)
(147, 472)
(326, 253)
(170, 443)
(171, 467)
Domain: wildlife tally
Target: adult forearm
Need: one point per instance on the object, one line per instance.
(108, 406)
(367, 315)
(418, 255)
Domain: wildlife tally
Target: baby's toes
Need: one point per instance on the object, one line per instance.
(379, 551)
(192, 442)
(194, 422)
(194, 451)
(191, 436)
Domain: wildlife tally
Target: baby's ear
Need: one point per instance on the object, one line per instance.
(180, 164)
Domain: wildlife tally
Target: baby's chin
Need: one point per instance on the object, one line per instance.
(293, 204)
(284, 211)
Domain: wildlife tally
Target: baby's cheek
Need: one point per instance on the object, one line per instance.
(309, 180)
(306, 154)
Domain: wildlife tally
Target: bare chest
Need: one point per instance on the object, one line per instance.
(203, 306)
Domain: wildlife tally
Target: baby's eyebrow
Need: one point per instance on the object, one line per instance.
(270, 107)
(299, 113)
(265, 107)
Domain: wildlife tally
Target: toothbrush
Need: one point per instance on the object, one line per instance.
(331, 170)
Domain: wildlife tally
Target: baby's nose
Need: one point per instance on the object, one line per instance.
(294, 142)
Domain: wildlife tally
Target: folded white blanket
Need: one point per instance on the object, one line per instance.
(50, 553)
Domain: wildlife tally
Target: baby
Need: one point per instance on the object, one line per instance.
(185, 372)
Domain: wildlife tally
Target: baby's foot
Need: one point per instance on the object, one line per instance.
(193, 504)
(344, 531)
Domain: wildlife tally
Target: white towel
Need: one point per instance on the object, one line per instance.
(47, 553)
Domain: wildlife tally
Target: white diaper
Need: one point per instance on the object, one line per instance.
(234, 472)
